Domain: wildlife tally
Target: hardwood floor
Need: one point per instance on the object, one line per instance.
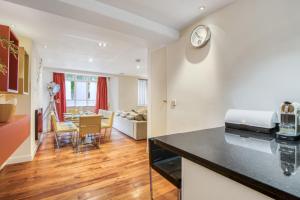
(118, 170)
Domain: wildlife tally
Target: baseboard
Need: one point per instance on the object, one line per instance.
(23, 158)
(19, 159)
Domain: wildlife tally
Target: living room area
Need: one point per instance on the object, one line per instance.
(81, 101)
(139, 99)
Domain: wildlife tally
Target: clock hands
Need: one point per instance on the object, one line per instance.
(200, 36)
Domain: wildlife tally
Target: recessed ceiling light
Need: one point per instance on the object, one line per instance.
(13, 26)
(102, 44)
(91, 60)
(138, 67)
(202, 8)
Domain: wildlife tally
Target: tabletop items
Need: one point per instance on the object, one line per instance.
(286, 124)
(249, 120)
(84, 126)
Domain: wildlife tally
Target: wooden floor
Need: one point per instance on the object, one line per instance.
(118, 170)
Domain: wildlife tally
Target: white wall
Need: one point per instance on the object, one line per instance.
(252, 62)
(128, 92)
(114, 93)
(123, 93)
(47, 78)
(36, 93)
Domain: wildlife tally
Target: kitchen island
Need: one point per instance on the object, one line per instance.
(231, 164)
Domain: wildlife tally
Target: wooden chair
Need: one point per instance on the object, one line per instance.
(108, 123)
(61, 128)
(89, 125)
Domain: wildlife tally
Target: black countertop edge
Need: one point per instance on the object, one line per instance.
(245, 180)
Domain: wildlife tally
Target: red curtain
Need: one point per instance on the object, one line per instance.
(101, 98)
(60, 97)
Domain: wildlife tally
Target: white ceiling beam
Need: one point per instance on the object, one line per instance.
(105, 16)
(125, 16)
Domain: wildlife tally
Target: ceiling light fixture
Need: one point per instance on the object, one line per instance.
(138, 67)
(202, 8)
(91, 60)
(12, 26)
(102, 44)
(45, 46)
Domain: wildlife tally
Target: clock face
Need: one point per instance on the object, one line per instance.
(200, 36)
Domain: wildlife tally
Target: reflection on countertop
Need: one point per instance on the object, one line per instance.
(254, 159)
(288, 152)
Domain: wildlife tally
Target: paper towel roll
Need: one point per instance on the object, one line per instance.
(250, 118)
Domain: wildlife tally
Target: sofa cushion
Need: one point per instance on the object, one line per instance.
(145, 116)
(139, 117)
(124, 114)
(140, 111)
(131, 117)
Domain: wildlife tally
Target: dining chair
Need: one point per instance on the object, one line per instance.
(107, 123)
(61, 128)
(89, 125)
(73, 111)
(69, 116)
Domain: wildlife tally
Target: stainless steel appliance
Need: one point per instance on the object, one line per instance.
(289, 121)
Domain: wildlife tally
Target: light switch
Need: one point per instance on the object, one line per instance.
(173, 103)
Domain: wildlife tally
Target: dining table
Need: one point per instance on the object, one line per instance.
(75, 117)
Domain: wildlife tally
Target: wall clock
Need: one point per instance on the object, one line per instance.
(200, 36)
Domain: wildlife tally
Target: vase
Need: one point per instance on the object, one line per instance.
(6, 112)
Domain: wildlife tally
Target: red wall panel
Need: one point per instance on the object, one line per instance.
(4, 32)
(12, 135)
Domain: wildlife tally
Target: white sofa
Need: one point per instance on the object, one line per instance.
(134, 129)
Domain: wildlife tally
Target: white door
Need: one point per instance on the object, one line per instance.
(157, 88)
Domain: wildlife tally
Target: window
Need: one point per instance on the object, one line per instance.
(81, 90)
(142, 92)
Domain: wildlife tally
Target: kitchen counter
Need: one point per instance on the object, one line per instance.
(254, 160)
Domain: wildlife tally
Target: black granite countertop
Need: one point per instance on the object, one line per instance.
(255, 160)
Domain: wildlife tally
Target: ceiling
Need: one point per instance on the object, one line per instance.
(176, 14)
(72, 29)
